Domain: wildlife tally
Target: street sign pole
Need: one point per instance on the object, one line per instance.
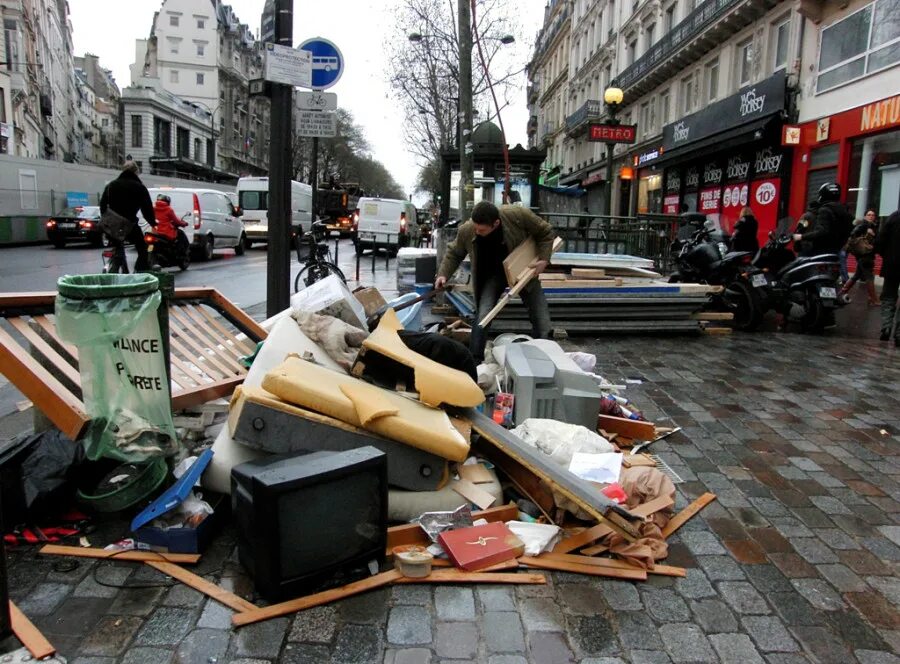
(314, 167)
(278, 268)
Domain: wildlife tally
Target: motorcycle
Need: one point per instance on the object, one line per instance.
(705, 258)
(163, 252)
(803, 289)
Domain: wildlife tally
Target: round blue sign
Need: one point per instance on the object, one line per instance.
(327, 62)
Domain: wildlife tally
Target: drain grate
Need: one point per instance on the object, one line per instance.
(665, 469)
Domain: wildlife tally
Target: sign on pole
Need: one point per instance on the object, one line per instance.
(327, 62)
(317, 124)
(608, 133)
(317, 101)
(288, 66)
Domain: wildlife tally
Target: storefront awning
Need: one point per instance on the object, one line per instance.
(724, 140)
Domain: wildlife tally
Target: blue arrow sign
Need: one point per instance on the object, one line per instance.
(327, 62)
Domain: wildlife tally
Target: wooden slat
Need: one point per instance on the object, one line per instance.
(200, 584)
(625, 427)
(635, 574)
(212, 370)
(50, 328)
(30, 636)
(206, 339)
(228, 309)
(601, 530)
(663, 570)
(188, 337)
(206, 392)
(461, 576)
(55, 400)
(184, 368)
(103, 554)
(588, 273)
(682, 517)
(499, 567)
(317, 599)
(25, 300)
(46, 350)
(243, 347)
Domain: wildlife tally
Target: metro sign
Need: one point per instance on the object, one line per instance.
(612, 133)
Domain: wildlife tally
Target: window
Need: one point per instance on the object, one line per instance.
(183, 142)
(864, 42)
(631, 52)
(648, 118)
(744, 62)
(687, 94)
(104, 122)
(650, 31)
(780, 37)
(669, 19)
(200, 78)
(2, 105)
(712, 79)
(197, 147)
(173, 76)
(210, 152)
(162, 137)
(201, 23)
(664, 107)
(200, 49)
(137, 137)
(173, 46)
(173, 21)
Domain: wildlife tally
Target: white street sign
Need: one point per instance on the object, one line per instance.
(317, 124)
(317, 101)
(288, 65)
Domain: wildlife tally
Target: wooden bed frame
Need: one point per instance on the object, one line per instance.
(205, 350)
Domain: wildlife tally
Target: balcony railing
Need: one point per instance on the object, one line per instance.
(590, 110)
(694, 24)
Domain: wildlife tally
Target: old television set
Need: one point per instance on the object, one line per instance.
(544, 390)
(306, 520)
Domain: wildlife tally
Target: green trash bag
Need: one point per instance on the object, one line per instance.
(112, 319)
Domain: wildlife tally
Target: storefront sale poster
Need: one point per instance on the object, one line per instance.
(710, 200)
(670, 204)
(764, 195)
(734, 198)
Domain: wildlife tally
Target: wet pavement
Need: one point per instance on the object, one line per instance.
(797, 560)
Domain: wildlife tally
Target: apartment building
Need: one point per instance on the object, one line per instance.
(97, 131)
(38, 79)
(199, 51)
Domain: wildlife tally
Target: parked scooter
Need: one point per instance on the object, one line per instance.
(705, 258)
(805, 289)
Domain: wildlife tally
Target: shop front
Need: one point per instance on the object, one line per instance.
(859, 149)
(649, 181)
(728, 156)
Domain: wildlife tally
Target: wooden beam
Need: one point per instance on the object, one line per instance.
(460, 576)
(616, 563)
(200, 584)
(30, 636)
(47, 393)
(624, 427)
(317, 599)
(206, 392)
(682, 517)
(540, 562)
(121, 554)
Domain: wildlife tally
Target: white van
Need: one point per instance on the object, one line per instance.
(253, 198)
(386, 222)
(213, 222)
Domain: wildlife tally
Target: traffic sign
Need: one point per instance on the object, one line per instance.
(288, 65)
(317, 101)
(317, 124)
(327, 62)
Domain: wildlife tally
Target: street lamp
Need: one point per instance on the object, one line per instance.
(210, 154)
(612, 96)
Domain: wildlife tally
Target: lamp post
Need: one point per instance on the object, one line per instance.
(211, 146)
(612, 96)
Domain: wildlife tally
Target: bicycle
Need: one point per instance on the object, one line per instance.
(315, 256)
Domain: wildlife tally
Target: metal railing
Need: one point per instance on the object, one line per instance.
(693, 24)
(647, 236)
(591, 109)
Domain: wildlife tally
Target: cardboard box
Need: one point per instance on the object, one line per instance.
(370, 298)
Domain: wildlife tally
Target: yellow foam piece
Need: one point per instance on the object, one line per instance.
(436, 384)
(358, 403)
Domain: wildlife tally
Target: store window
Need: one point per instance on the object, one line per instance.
(712, 79)
(864, 42)
(650, 198)
(874, 178)
(780, 37)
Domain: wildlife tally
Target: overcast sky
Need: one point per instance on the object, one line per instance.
(358, 27)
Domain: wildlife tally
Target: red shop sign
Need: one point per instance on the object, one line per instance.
(612, 133)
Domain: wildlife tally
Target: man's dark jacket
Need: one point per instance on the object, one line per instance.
(887, 244)
(127, 195)
(830, 230)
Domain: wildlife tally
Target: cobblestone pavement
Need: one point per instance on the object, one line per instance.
(796, 562)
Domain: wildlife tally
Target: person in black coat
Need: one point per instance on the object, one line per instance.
(832, 225)
(745, 231)
(887, 245)
(127, 195)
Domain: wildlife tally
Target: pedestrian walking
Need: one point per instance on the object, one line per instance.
(745, 231)
(887, 245)
(127, 195)
(862, 246)
(487, 238)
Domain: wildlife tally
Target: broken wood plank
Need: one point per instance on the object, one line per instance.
(118, 554)
(461, 576)
(713, 315)
(658, 504)
(553, 276)
(635, 429)
(594, 550)
(200, 584)
(411, 533)
(498, 567)
(717, 331)
(608, 282)
(317, 599)
(30, 636)
(583, 538)
(682, 517)
(637, 460)
(635, 574)
(588, 273)
(615, 563)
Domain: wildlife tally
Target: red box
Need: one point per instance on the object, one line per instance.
(478, 547)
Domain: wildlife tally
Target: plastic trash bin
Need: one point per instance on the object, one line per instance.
(112, 319)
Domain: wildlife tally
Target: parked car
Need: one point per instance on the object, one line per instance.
(386, 223)
(214, 223)
(76, 224)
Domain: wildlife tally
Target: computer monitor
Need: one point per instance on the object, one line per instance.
(543, 390)
(302, 520)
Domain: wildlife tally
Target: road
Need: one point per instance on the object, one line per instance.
(242, 279)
